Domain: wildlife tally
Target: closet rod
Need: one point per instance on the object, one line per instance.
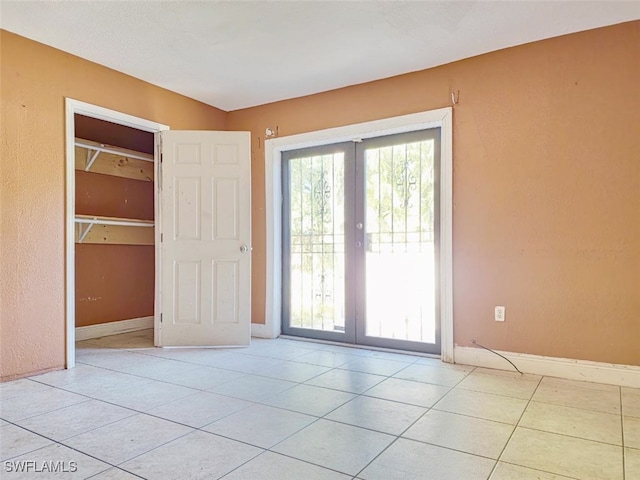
(123, 223)
(148, 158)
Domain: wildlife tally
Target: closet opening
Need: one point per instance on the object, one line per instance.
(114, 231)
(111, 239)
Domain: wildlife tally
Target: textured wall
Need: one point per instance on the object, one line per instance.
(546, 152)
(546, 186)
(35, 79)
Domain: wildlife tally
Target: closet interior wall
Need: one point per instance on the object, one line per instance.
(114, 281)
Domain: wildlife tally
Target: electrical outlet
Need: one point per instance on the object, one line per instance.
(499, 313)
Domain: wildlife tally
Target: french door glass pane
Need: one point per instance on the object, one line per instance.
(317, 242)
(400, 232)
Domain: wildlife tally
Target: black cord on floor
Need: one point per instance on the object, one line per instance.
(500, 355)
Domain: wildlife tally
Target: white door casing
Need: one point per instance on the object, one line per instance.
(205, 220)
(442, 118)
(73, 107)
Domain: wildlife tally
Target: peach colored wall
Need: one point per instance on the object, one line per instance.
(109, 133)
(546, 187)
(111, 196)
(113, 282)
(35, 79)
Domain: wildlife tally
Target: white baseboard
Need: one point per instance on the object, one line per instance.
(611, 373)
(123, 326)
(113, 328)
(260, 330)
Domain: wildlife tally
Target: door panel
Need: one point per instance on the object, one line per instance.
(399, 209)
(187, 281)
(315, 270)
(226, 217)
(205, 222)
(186, 200)
(225, 291)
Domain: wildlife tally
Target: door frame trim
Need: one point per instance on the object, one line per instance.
(72, 107)
(442, 118)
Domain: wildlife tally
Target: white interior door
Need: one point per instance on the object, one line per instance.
(205, 221)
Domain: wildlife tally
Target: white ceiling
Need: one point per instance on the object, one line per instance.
(236, 54)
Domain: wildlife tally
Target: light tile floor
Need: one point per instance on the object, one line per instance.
(285, 409)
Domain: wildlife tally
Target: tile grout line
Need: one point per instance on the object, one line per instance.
(432, 408)
(411, 425)
(528, 428)
(515, 428)
(56, 442)
(316, 420)
(323, 417)
(133, 413)
(561, 476)
(137, 412)
(575, 408)
(117, 468)
(356, 396)
(600, 442)
(87, 399)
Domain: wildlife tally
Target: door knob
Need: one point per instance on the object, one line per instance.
(244, 249)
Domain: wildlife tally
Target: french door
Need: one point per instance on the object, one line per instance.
(360, 242)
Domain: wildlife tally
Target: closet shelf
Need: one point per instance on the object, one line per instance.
(100, 158)
(114, 230)
(124, 222)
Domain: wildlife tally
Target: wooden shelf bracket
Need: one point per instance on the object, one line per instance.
(83, 230)
(91, 157)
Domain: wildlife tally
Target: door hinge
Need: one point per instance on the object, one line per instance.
(161, 237)
(160, 318)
